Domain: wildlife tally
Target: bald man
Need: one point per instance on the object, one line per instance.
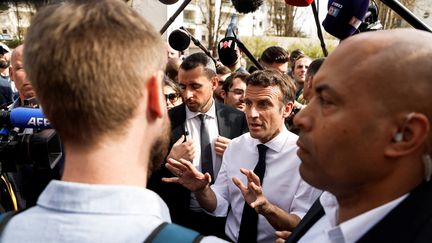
(365, 140)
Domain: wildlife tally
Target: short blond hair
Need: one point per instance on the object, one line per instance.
(88, 62)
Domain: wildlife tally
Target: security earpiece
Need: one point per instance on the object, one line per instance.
(398, 137)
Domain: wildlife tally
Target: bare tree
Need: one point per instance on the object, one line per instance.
(390, 19)
(213, 19)
(282, 17)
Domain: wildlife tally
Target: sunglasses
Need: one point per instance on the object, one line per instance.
(172, 97)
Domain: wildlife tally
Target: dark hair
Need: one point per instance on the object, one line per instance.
(314, 66)
(171, 68)
(275, 54)
(296, 59)
(269, 77)
(221, 70)
(230, 80)
(199, 59)
(295, 54)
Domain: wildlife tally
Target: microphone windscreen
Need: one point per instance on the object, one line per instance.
(299, 3)
(227, 51)
(344, 17)
(168, 2)
(179, 40)
(246, 6)
(28, 118)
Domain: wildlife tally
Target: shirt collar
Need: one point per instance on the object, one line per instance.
(354, 228)
(210, 113)
(278, 142)
(91, 198)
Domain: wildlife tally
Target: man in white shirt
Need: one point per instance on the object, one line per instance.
(365, 139)
(279, 194)
(106, 108)
(201, 130)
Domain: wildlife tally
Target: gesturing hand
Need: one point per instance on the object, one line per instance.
(221, 144)
(180, 149)
(252, 193)
(187, 175)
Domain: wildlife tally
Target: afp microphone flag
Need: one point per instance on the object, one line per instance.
(344, 17)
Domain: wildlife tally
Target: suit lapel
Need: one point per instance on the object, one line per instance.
(407, 221)
(224, 130)
(311, 217)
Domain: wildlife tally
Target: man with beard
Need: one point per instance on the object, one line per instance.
(106, 110)
(5, 87)
(365, 140)
(201, 131)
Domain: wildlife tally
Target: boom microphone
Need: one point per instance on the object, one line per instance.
(168, 2)
(179, 40)
(25, 118)
(299, 3)
(344, 17)
(246, 6)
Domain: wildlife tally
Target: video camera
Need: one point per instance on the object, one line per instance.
(41, 148)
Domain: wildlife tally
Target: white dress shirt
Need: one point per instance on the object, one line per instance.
(326, 229)
(282, 183)
(193, 126)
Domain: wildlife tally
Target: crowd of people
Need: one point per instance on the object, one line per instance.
(167, 147)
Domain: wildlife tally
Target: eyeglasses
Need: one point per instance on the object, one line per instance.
(237, 91)
(173, 97)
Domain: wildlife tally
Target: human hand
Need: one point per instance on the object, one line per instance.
(187, 175)
(221, 144)
(282, 236)
(253, 193)
(180, 149)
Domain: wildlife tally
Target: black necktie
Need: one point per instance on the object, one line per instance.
(206, 154)
(249, 221)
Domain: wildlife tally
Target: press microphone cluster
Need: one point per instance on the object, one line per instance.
(344, 17)
(23, 117)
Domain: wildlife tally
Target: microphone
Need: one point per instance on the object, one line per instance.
(227, 51)
(179, 40)
(344, 17)
(25, 118)
(299, 3)
(168, 2)
(246, 6)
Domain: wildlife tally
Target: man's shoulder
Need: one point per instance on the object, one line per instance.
(226, 109)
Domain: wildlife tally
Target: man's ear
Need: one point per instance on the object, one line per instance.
(222, 94)
(412, 135)
(287, 109)
(214, 82)
(156, 99)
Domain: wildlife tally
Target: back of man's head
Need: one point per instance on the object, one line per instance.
(230, 80)
(270, 77)
(89, 62)
(274, 54)
(199, 59)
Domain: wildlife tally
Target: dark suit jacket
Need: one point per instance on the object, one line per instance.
(231, 123)
(410, 221)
